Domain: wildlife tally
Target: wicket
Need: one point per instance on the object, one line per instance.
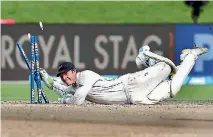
(33, 66)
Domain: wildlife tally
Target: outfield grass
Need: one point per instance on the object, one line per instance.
(204, 92)
(103, 12)
(22, 92)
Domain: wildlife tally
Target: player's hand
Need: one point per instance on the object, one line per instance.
(48, 80)
(42, 73)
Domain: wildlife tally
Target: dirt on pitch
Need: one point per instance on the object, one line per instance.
(168, 119)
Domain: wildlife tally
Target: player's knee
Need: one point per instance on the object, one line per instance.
(163, 69)
(160, 93)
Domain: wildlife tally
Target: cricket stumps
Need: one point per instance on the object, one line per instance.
(33, 66)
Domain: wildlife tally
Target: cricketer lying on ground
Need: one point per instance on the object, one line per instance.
(148, 86)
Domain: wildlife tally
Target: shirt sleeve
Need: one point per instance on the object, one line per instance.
(60, 88)
(80, 95)
(89, 79)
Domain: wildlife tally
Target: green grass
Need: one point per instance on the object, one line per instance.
(22, 92)
(103, 12)
(196, 93)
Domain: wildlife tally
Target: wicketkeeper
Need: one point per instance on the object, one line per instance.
(159, 81)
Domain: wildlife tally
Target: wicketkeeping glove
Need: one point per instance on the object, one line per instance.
(48, 80)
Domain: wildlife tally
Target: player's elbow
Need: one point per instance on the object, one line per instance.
(79, 102)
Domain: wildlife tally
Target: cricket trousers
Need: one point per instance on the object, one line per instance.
(142, 83)
(151, 85)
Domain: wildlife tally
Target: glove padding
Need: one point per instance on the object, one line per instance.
(48, 80)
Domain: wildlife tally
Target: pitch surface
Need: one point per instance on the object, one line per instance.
(170, 119)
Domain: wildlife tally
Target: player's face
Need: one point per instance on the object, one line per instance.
(69, 78)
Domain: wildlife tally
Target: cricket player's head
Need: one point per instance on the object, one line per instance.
(67, 73)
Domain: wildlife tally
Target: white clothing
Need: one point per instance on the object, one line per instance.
(148, 86)
(129, 88)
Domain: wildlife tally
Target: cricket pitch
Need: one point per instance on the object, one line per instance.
(168, 119)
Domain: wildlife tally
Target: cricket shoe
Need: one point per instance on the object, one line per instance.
(46, 78)
(155, 58)
(142, 59)
(197, 51)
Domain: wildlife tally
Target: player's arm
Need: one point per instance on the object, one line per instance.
(55, 84)
(88, 78)
(80, 95)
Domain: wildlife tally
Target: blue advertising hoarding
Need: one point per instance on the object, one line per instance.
(202, 35)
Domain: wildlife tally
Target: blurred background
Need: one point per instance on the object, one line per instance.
(105, 37)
